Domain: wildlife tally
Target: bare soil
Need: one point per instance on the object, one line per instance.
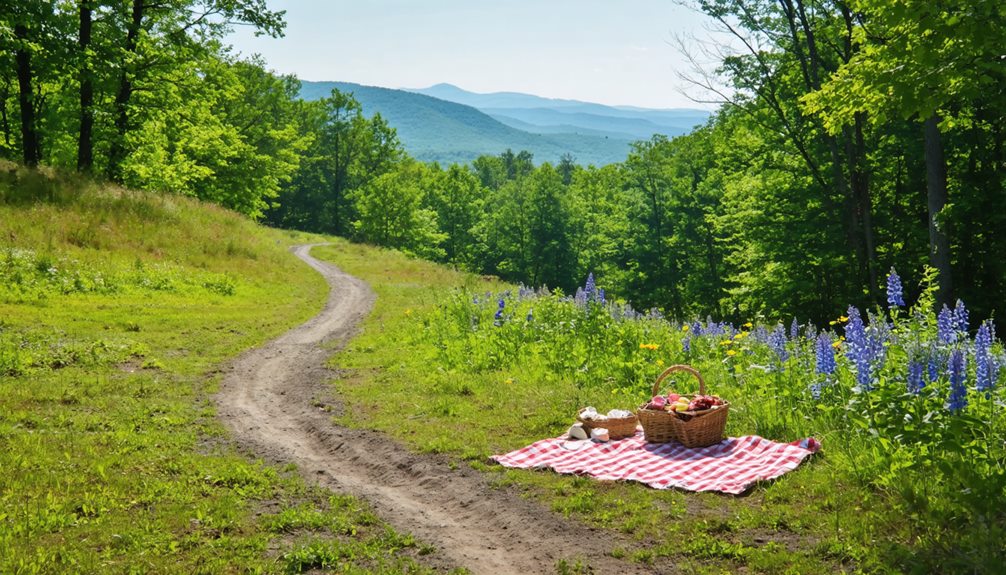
(273, 398)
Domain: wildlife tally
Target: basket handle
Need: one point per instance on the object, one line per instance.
(675, 368)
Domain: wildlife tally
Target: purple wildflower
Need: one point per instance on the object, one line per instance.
(499, 312)
(960, 317)
(794, 329)
(945, 324)
(815, 390)
(957, 369)
(895, 295)
(859, 349)
(983, 358)
(590, 288)
(825, 355)
(600, 296)
(686, 344)
(915, 383)
(530, 315)
(933, 371)
(777, 341)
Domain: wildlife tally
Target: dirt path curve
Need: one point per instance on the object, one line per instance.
(269, 399)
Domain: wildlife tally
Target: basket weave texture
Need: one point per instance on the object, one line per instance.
(617, 428)
(690, 428)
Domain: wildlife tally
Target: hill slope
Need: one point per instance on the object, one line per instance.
(118, 310)
(437, 130)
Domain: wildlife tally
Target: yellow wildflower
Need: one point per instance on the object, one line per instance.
(660, 363)
(749, 325)
(837, 344)
(685, 327)
(731, 352)
(726, 342)
(408, 312)
(650, 346)
(843, 318)
(509, 381)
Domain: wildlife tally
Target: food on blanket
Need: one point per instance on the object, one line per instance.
(658, 402)
(577, 431)
(599, 434)
(590, 413)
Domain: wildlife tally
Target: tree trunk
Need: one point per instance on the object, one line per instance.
(861, 186)
(4, 120)
(936, 195)
(117, 150)
(29, 134)
(85, 144)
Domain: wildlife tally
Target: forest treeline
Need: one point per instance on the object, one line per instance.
(853, 137)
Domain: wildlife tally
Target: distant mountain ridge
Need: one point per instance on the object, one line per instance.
(433, 127)
(626, 121)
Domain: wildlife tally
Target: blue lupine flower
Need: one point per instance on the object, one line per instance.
(933, 371)
(815, 390)
(499, 312)
(915, 383)
(777, 341)
(895, 296)
(580, 298)
(859, 349)
(530, 315)
(957, 369)
(945, 326)
(590, 288)
(825, 355)
(961, 317)
(600, 296)
(686, 344)
(983, 358)
(696, 328)
(794, 329)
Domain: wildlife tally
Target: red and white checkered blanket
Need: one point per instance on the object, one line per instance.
(730, 466)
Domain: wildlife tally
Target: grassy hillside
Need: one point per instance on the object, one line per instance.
(437, 130)
(117, 311)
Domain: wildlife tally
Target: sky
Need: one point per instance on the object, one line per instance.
(606, 51)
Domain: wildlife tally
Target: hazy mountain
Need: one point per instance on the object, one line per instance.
(434, 129)
(627, 122)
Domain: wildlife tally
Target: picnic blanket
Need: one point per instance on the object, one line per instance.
(730, 466)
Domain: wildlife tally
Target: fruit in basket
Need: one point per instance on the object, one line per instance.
(673, 397)
(704, 402)
(658, 402)
(682, 405)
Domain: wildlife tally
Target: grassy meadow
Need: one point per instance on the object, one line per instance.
(117, 310)
(906, 481)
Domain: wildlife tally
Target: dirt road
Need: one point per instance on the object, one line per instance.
(269, 399)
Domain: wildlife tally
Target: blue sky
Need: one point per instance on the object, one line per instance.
(606, 51)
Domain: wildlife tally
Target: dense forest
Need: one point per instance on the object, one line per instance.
(853, 137)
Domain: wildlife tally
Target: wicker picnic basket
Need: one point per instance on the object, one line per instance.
(617, 428)
(691, 428)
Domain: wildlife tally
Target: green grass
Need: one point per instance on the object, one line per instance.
(117, 310)
(817, 519)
